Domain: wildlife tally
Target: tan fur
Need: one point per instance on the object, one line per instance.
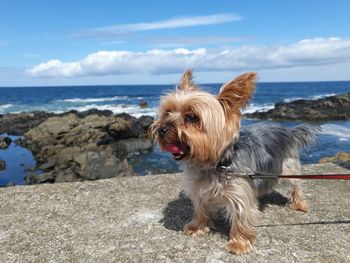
(218, 124)
(297, 200)
(206, 145)
(186, 82)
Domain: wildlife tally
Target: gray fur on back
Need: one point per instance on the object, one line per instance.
(262, 148)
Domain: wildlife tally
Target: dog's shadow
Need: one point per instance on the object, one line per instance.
(179, 212)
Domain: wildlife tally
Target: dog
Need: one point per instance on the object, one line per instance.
(203, 132)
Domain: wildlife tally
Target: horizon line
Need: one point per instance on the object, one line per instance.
(162, 84)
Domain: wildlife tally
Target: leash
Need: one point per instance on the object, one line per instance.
(306, 176)
(231, 174)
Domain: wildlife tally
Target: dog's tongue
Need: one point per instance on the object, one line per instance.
(175, 148)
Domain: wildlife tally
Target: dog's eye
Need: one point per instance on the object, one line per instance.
(191, 118)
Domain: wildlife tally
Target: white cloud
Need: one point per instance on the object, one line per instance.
(163, 24)
(309, 52)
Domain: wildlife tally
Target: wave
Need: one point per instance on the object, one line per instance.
(133, 110)
(315, 97)
(80, 100)
(335, 130)
(251, 108)
(4, 107)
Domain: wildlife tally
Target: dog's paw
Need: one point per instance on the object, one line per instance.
(196, 230)
(239, 247)
(301, 205)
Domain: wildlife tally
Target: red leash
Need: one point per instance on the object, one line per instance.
(228, 173)
(307, 176)
(319, 176)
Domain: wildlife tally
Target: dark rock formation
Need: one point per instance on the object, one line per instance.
(325, 109)
(18, 124)
(2, 165)
(5, 142)
(143, 104)
(85, 146)
(341, 159)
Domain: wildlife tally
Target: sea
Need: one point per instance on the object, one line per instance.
(334, 137)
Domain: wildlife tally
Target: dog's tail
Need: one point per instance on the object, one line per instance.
(305, 134)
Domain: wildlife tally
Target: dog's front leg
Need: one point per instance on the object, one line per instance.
(244, 214)
(200, 221)
(242, 238)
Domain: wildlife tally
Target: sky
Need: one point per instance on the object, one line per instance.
(154, 42)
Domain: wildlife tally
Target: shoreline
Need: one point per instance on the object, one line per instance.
(107, 138)
(332, 108)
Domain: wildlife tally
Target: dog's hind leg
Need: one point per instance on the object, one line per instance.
(291, 166)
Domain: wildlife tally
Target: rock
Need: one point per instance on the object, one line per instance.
(143, 104)
(85, 166)
(341, 156)
(48, 165)
(74, 147)
(97, 112)
(139, 126)
(143, 123)
(2, 165)
(125, 148)
(65, 155)
(5, 142)
(18, 124)
(33, 178)
(9, 184)
(120, 128)
(341, 159)
(325, 109)
(67, 176)
(101, 165)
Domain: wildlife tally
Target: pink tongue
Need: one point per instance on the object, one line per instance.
(174, 148)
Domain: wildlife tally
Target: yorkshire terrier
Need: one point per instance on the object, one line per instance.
(202, 131)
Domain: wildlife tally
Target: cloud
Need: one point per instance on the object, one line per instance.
(163, 24)
(308, 52)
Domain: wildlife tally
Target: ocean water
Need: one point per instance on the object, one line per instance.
(334, 137)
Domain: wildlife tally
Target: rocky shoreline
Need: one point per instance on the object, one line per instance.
(94, 144)
(5, 142)
(325, 109)
(78, 146)
(2, 165)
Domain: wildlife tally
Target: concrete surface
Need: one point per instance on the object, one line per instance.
(139, 219)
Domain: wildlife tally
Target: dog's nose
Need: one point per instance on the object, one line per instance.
(163, 131)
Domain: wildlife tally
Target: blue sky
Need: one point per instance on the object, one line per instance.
(126, 42)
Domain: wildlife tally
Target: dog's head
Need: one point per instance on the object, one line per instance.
(195, 125)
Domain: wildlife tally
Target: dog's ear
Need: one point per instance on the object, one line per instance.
(186, 82)
(235, 94)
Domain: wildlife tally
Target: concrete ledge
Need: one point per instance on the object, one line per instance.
(139, 219)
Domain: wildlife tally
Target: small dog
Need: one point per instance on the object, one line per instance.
(203, 132)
